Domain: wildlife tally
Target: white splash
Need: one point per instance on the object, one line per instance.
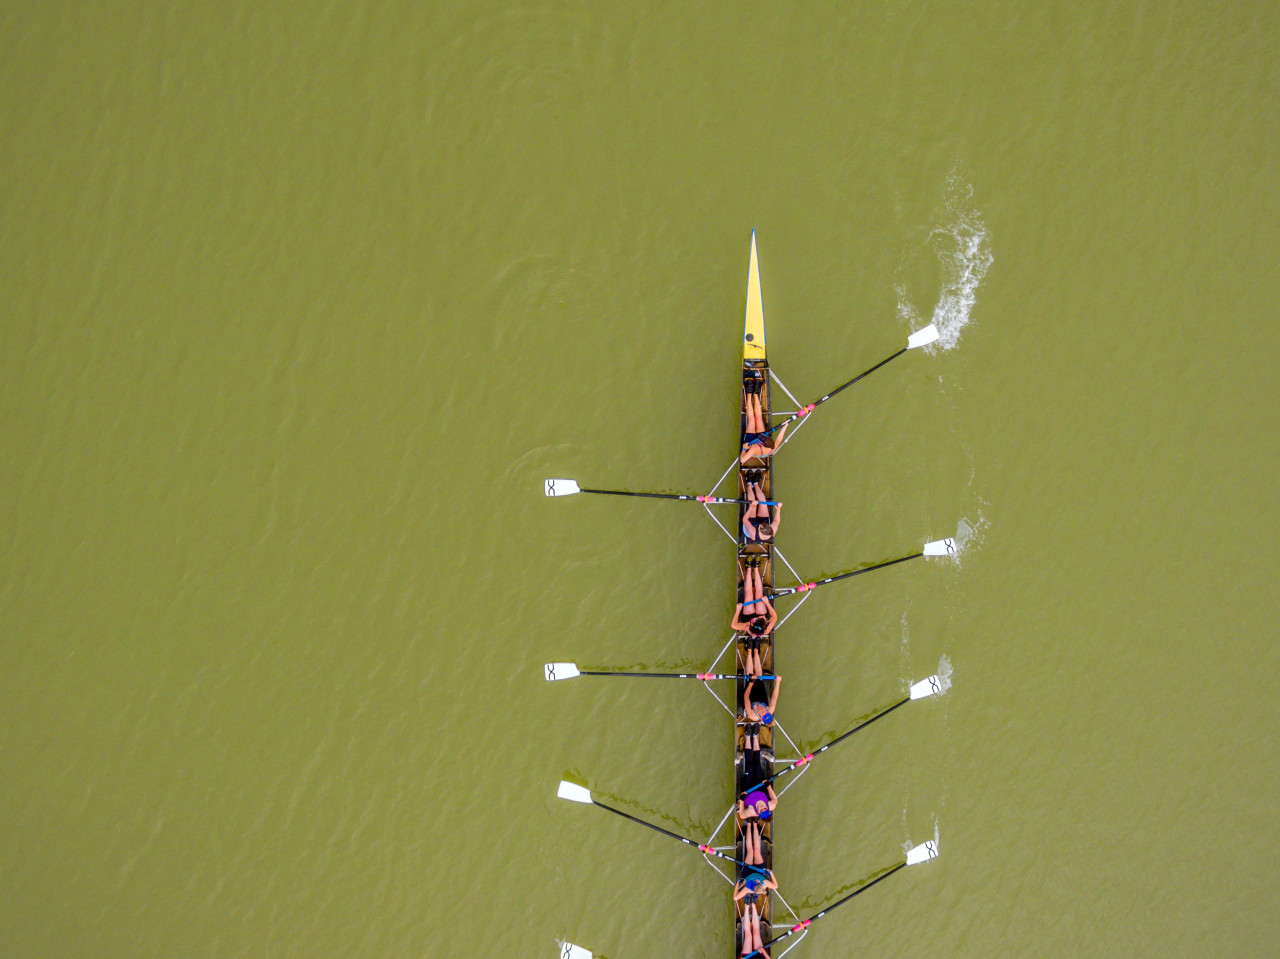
(964, 256)
(944, 673)
(971, 533)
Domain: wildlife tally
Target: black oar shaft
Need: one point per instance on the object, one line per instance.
(688, 842)
(649, 675)
(840, 576)
(864, 373)
(807, 922)
(818, 752)
(619, 492)
(714, 500)
(702, 676)
(838, 389)
(879, 715)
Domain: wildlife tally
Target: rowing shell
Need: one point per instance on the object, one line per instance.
(755, 362)
(749, 555)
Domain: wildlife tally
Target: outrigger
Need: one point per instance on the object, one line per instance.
(755, 562)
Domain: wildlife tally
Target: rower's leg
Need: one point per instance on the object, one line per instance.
(751, 940)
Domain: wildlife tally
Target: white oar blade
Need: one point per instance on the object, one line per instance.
(569, 951)
(926, 687)
(941, 547)
(923, 337)
(923, 853)
(556, 671)
(562, 487)
(573, 792)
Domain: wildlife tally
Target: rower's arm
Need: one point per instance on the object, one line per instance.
(738, 622)
(746, 699)
(773, 700)
(773, 617)
(781, 433)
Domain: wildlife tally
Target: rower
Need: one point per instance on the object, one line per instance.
(755, 439)
(756, 879)
(755, 614)
(757, 708)
(759, 525)
(752, 940)
(756, 804)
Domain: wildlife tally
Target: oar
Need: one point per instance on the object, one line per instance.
(567, 487)
(917, 855)
(569, 951)
(576, 793)
(921, 690)
(556, 671)
(919, 338)
(940, 547)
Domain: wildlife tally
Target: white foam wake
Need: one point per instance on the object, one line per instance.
(964, 256)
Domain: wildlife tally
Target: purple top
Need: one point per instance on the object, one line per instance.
(756, 797)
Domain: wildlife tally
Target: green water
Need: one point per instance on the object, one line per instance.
(302, 302)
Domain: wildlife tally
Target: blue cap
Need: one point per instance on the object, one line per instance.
(767, 718)
(766, 814)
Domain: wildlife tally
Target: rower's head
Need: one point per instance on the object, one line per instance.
(763, 810)
(767, 718)
(765, 531)
(759, 625)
